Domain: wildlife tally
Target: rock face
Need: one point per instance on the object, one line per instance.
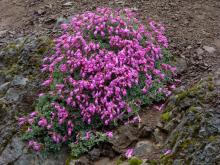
(19, 69)
(19, 81)
(144, 147)
(16, 153)
(193, 122)
(12, 95)
(12, 151)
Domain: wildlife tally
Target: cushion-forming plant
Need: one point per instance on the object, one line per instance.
(105, 64)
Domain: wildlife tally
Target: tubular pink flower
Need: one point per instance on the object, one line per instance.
(129, 153)
(109, 134)
(42, 122)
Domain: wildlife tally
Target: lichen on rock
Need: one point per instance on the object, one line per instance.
(194, 136)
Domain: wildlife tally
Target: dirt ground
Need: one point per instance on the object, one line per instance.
(191, 24)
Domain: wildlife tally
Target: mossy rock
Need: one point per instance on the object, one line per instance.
(166, 116)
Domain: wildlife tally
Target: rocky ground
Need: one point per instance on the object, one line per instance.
(190, 124)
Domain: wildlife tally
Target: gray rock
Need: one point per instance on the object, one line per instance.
(4, 87)
(2, 79)
(195, 133)
(12, 95)
(94, 154)
(68, 4)
(159, 136)
(145, 132)
(37, 159)
(12, 151)
(16, 153)
(181, 65)
(3, 32)
(143, 148)
(199, 51)
(19, 81)
(209, 49)
(123, 137)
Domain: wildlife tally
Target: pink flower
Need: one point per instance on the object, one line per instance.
(173, 87)
(168, 152)
(47, 82)
(63, 68)
(129, 153)
(33, 114)
(109, 134)
(64, 26)
(56, 137)
(35, 145)
(30, 121)
(41, 94)
(159, 108)
(49, 126)
(22, 121)
(87, 135)
(42, 122)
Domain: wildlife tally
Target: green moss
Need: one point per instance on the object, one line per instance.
(167, 159)
(169, 108)
(210, 78)
(165, 116)
(193, 91)
(185, 144)
(152, 162)
(212, 138)
(68, 160)
(119, 161)
(192, 109)
(211, 86)
(182, 95)
(135, 161)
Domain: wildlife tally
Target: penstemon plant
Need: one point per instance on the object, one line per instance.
(102, 68)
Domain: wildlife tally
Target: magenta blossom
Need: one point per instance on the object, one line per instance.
(34, 145)
(167, 152)
(129, 153)
(109, 134)
(42, 122)
(22, 121)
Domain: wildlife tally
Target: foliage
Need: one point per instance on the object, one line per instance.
(84, 143)
(101, 69)
(135, 161)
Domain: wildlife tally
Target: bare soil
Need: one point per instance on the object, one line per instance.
(190, 24)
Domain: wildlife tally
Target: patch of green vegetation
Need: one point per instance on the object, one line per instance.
(211, 86)
(212, 138)
(119, 161)
(135, 161)
(185, 144)
(182, 95)
(192, 109)
(84, 145)
(69, 159)
(166, 159)
(165, 116)
(194, 90)
(152, 162)
(13, 70)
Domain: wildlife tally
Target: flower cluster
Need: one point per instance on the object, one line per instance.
(99, 57)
